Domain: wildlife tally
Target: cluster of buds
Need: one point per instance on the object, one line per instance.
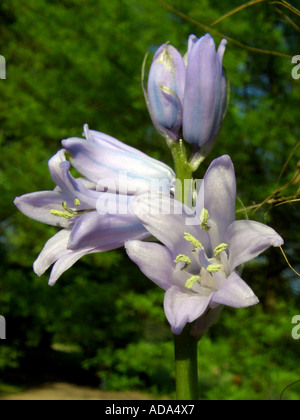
(188, 96)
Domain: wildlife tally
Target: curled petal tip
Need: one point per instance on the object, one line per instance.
(221, 49)
(86, 131)
(277, 241)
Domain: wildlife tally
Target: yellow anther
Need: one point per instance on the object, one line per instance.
(77, 202)
(213, 268)
(62, 214)
(183, 258)
(191, 281)
(69, 213)
(65, 207)
(220, 248)
(204, 216)
(190, 238)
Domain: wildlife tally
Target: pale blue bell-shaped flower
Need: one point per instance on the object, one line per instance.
(92, 210)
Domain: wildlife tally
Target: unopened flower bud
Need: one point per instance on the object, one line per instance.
(205, 96)
(165, 91)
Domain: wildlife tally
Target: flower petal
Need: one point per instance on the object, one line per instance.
(76, 187)
(234, 292)
(168, 220)
(94, 230)
(112, 164)
(221, 109)
(182, 307)
(202, 90)
(56, 251)
(65, 262)
(53, 249)
(218, 190)
(38, 206)
(54, 165)
(102, 139)
(165, 90)
(154, 260)
(247, 239)
(203, 323)
(59, 169)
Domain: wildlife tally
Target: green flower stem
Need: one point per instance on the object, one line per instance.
(185, 344)
(183, 169)
(186, 369)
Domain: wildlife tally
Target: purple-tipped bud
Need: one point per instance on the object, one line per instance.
(165, 91)
(205, 96)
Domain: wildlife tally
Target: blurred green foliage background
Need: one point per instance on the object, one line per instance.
(71, 62)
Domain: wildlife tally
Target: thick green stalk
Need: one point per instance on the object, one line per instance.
(185, 344)
(183, 170)
(186, 366)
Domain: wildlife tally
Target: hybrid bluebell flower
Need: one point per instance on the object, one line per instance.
(196, 259)
(205, 95)
(77, 204)
(165, 90)
(102, 158)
